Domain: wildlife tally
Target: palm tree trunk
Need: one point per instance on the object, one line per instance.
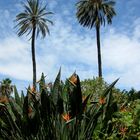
(99, 51)
(33, 57)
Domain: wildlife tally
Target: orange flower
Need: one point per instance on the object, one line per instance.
(33, 89)
(73, 79)
(123, 109)
(83, 98)
(123, 130)
(29, 111)
(4, 99)
(102, 101)
(66, 117)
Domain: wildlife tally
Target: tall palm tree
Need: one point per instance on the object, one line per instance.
(94, 13)
(33, 20)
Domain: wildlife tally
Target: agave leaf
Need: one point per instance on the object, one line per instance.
(88, 133)
(45, 104)
(109, 88)
(71, 120)
(109, 109)
(108, 102)
(60, 107)
(42, 82)
(56, 87)
(11, 123)
(25, 107)
(75, 99)
(22, 98)
(85, 102)
(15, 111)
(1, 104)
(17, 98)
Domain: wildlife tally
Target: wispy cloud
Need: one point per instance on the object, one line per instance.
(14, 58)
(121, 58)
(73, 48)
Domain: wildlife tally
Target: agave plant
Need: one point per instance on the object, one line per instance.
(56, 114)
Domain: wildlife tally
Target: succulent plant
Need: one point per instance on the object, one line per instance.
(59, 113)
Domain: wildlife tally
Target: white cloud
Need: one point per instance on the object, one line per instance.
(120, 51)
(121, 57)
(74, 49)
(14, 58)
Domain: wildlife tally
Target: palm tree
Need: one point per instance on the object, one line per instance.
(5, 87)
(94, 13)
(33, 21)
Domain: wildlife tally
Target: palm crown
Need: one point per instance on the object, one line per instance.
(34, 16)
(95, 12)
(5, 87)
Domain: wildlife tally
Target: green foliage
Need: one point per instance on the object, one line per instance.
(61, 113)
(94, 86)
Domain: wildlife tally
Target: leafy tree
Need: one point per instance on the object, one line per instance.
(33, 20)
(94, 13)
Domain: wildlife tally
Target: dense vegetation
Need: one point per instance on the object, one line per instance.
(70, 110)
(90, 109)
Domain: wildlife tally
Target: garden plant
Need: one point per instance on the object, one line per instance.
(60, 111)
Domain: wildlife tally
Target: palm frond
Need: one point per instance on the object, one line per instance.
(34, 15)
(95, 13)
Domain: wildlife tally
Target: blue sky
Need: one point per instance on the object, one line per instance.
(71, 46)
